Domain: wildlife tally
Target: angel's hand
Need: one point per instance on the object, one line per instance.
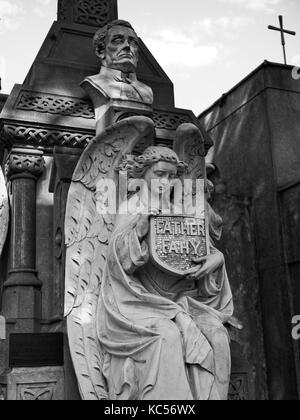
(205, 266)
(142, 226)
(154, 212)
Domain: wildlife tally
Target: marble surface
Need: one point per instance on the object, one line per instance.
(4, 211)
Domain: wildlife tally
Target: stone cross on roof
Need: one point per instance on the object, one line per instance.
(282, 31)
(88, 12)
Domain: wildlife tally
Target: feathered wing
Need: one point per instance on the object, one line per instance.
(189, 145)
(87, 233)
(4, 211)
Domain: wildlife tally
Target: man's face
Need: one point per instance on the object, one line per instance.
(121, 50)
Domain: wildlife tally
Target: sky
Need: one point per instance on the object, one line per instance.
(205, 46)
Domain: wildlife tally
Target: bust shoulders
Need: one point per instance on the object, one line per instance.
(114, 84)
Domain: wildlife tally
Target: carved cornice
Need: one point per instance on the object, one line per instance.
(61, 105)
(45, 134)
(170, 120)
(80, 108)
(43, 137)
(23, 161)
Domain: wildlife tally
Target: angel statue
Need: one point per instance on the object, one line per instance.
(139, 328)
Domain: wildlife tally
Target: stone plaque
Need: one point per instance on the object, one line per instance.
(36, 350)
(176, 240)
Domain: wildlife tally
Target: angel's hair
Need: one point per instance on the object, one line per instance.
(136, 167)
(100, 36)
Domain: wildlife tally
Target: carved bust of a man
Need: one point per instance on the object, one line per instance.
(117, 46)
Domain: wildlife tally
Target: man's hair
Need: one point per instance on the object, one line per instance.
(101, 34)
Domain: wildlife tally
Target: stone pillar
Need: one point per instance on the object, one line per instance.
(21, 299)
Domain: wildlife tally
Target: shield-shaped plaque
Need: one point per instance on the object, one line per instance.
(176, 240)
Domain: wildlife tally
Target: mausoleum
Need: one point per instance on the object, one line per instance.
(47, 122)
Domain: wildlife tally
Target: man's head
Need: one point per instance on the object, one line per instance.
(117, 46)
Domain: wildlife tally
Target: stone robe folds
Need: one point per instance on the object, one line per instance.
(163, 337)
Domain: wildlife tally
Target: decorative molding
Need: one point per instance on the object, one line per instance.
(80, 108)
(44, 137)
(39, 136)
(92, 12)
(88, 12)
(238, 388)
(61, 105)
(170, 120)
(19, 162)
(36, 394)
(62, 10)
(33, 384)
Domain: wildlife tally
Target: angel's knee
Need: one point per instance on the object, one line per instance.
(168, 331)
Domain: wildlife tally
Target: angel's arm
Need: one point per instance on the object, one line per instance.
(142, 227)
(215, 260)
(131, 247)
(207, 265)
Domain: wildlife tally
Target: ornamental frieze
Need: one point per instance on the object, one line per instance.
(80, 108)
(87, 12)
(170, 120)
(44, 137)
(92, 12)
(60, 105)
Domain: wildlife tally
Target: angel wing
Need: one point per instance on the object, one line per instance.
(87, 233)
(189, 144)
(4, 211)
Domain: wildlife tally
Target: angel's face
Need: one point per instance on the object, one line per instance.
(121, 49)
(160, 177)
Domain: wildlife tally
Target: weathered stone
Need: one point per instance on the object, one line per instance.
(49, 110)
(174, 241)
(4, 211)
(256, 128)
(41, 384)
(110, 277)
(22, 296)
(23, 169)
(87, 12)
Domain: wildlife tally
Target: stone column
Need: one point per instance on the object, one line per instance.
(22, 300)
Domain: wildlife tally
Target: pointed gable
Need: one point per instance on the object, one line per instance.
(51, 109)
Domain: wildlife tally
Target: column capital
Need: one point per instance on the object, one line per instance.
(25, 161)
